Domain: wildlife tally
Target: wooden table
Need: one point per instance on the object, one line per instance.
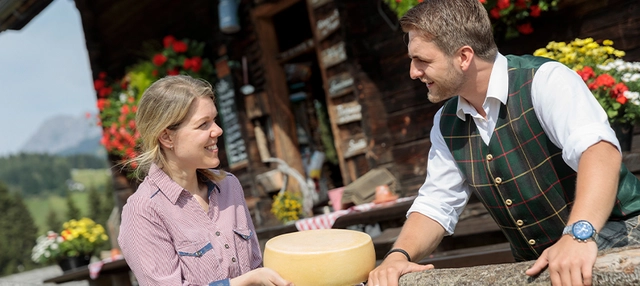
(383, 213)
(112, 273)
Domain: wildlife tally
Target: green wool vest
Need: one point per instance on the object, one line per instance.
(521, 177)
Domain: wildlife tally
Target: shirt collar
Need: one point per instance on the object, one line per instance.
(165, 184)
(498, 87)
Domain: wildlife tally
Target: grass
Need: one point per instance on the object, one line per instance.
(91, 177)
(40, 206)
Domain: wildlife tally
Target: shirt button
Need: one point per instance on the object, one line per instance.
(519, 222)
(532, 241)
(226, 246)
(217, 233)
(498, 180)
(489, 157)
(508, 202)
(233, 259)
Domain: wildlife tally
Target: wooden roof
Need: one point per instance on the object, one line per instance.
(15, 14)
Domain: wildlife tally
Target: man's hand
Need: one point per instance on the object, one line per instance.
(569, 262)
(389, 272)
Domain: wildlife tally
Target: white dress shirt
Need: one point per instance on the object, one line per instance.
(567, 110)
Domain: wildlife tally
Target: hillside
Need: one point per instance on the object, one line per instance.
(66, 135)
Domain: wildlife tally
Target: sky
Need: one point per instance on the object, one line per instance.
(44, 72)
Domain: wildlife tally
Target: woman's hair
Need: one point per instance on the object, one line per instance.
(452, 24)
(164, 105)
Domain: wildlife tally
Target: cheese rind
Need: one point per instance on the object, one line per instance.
(335, 257)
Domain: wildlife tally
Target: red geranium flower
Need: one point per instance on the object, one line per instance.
(196, 64)
(159, 59)
(535, 11)
(168, 41)
(495, 13)
(586, 73)
(525, 28)
(603, 80)
(173, 71)
(618, 91)
(179, 47)
(98, 84)
(503, 4)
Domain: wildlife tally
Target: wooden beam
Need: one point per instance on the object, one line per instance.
(283, 121)
(617, 266)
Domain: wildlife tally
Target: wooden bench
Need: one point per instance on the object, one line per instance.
(112, 273)
(476, 228)
(472, 256)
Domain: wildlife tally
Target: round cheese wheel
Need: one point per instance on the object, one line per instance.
(321, 257)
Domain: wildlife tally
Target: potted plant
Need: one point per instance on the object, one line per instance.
(287, 207)
(73, 246)
(614, 82)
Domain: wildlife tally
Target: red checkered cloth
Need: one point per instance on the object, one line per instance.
(326, 220)
(95, 267)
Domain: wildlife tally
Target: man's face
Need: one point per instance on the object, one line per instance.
(431, 66)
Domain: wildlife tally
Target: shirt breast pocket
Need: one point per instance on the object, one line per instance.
(243, 239)
(196, 249)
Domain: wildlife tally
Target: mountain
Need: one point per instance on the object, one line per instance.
(66, 135)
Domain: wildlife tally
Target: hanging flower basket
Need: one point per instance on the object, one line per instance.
(118, 98)
(509, 18)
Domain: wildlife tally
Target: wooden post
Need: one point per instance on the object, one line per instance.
(283, 122)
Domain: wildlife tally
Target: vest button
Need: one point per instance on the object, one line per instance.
(489, 157)
(498, 180)
(519, 222)
(532, 241)
(508, 202)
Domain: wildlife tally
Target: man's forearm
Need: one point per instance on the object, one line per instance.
(420, 235)
(597, 184)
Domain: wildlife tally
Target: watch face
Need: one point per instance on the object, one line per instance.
(582, 230)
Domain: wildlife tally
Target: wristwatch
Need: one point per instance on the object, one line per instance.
(581, 230)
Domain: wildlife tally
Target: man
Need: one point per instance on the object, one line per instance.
(524, 134)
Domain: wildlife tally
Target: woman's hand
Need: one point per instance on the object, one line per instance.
(260, 277)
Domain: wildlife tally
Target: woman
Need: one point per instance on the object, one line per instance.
(187, 224)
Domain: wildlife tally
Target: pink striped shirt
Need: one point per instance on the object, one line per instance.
(168, 239)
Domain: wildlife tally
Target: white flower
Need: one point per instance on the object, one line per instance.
(632, 96)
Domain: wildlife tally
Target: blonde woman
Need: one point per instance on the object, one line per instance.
(187, 224)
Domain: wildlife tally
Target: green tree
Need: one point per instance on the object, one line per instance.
(102, 204)
(32, 174)
(94, 200)
(19, 233)
(73, 212)
(53, 221)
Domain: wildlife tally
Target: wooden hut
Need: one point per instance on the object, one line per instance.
(328, 76)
